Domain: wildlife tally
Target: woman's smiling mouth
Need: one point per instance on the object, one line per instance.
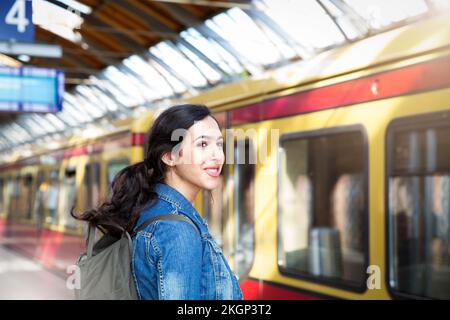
(213, 171)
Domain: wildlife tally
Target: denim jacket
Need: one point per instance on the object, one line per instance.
(171, 260)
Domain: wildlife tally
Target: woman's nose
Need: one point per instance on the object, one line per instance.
(217, 153)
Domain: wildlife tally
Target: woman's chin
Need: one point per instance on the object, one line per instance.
(210, 185)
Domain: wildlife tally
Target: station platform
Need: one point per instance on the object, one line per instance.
(22, 278)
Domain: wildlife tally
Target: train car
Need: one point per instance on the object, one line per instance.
(38, 193)
(337, 182)
(349, 196)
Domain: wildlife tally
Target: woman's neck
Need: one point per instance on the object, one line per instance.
(188, 190)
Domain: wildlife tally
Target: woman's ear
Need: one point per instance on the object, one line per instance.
(167, 159)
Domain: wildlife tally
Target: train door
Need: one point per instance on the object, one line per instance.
(241, 206)
(214, 203)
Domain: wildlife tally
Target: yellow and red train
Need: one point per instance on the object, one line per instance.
(349, 193)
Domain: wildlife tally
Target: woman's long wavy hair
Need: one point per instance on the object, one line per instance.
(133, 187)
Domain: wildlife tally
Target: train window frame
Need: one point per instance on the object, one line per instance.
(338, 284)
(405, 123)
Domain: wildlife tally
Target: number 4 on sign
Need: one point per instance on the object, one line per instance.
(17, 15)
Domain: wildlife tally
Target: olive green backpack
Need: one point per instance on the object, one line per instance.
(105, 268)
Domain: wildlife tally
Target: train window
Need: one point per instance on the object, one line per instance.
(419, 207)
(91, 185)
(243, 181)
(114, 167)
(68, 195)
(322, 204)
(51, 196)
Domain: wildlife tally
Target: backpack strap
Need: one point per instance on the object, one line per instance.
(90, 239)
(168, 216)
(91, 235)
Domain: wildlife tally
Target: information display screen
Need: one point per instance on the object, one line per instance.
(29, 89)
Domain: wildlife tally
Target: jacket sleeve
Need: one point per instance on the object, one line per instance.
(178, 257)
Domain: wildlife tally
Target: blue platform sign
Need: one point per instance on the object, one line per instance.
(16, 20)
(29, 89)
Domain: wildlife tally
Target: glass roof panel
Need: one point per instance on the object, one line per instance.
(156, 85)
(125, 84)
(75, 113)
(245, 37)
(206, 70)
(77, 103)
(67, 117)
(57, 123)
(380, 13)
(223, 25)
(35, 126)
(305, 21)
(285, 48)
(138, 82)
(213, 51)
(106, 100)
(345, 20)
(176, 85)
(96, 103)
(86, 105)
(179, 63)
(112, 86)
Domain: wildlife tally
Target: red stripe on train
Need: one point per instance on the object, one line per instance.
(79, 151)
(419, 77)
(137, 139)
(260, 290)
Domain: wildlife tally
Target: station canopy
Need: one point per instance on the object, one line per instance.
(122, 57)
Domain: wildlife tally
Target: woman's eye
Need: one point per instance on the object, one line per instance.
(202, 144)
(220, 144)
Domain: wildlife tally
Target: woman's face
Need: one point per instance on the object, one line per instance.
(199, 162)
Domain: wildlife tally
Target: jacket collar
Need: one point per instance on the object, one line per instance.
(169, 194)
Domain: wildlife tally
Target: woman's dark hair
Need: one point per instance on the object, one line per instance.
(133, 187)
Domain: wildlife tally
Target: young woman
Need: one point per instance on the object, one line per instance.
(173, 259)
